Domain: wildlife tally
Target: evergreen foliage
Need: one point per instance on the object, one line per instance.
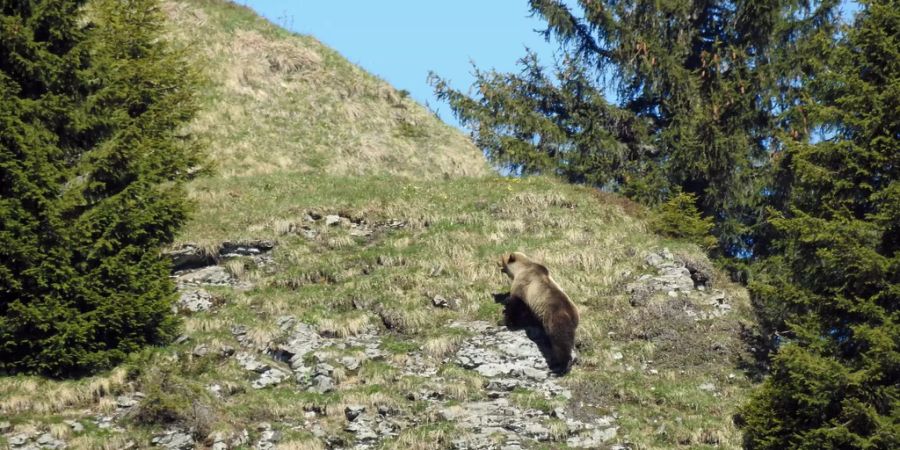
(680, 218)
(831, 289)
(90, 163)
(699, 87)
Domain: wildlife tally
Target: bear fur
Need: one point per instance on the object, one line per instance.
(535, 298)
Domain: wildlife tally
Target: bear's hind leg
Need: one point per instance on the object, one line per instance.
(562, 341)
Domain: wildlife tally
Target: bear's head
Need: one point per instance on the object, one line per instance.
(513, 263)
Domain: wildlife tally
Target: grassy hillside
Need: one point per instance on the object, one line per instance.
(281, 101)
(338, 170)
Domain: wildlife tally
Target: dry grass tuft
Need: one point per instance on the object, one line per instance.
(236, 267)
(60, 430)
(440, 346)
(428, 439)
(310, 444)
(344, 326)
(41, 396)
(101, 442)
(558, 430)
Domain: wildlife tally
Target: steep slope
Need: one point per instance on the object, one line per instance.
(346, 301)
(282, 101)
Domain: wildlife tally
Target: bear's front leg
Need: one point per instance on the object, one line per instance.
(516, 314)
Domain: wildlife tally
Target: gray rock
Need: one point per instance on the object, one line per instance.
(103, 422)
(442, 302)
(492, 370)
(350, 363)
(324, 369)
(322, 384)
(18, 439)
(47, 441)
(124, 401)
(360, 232)
(302, 340)
(537, 431)
(362, 431)
(200, 350)
(534, 374)
(174, 440)
(508, 358)
(353, 411)
(267, 439)
(332, 220)
(270, 377)
(673, 278)
(503, 384)
(605, 421)
(285, 322)
(213, 275)
(249, 362)
(592, 439)
(193, 300)
(653, 260)
(5, 426)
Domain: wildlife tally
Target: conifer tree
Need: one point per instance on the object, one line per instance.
(90, 163)
(698, 86)
(831, 288)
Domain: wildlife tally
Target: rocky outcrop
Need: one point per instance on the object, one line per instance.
(34, 441)
(193, 300)
(192, 256)
(174, 439)
(681, 277)
(508, 360)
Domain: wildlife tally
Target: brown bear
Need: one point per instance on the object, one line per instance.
(535, 297)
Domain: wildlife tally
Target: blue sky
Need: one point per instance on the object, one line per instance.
(401, 40)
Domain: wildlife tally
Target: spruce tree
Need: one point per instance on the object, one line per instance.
(698, 87)
(90, 163)
(831, 288)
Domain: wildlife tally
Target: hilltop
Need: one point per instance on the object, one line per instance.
(279, 101)
(336, 287)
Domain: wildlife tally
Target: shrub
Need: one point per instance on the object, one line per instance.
(680, 218)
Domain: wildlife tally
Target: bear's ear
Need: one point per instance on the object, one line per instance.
(512, 257)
